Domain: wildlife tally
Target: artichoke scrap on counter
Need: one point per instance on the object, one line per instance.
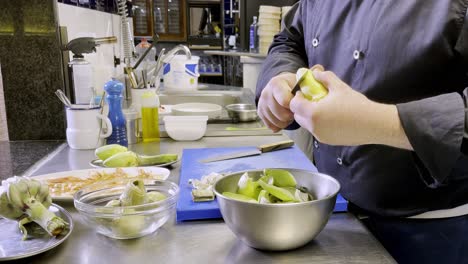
(131, 224)
(275, 186)
(27, 200)
(69, 185)
(115, 155)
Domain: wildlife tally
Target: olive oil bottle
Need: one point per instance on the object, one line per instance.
(150, 116)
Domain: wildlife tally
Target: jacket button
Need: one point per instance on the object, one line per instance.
(316, 145)
(315, 42)
(339, 161)
(358, 55)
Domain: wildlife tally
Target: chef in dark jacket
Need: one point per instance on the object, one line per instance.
(391, 128)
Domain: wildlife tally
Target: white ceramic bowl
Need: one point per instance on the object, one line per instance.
(197, 109)
(185, 128)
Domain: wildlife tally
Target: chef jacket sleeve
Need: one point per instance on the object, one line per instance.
(287, 52)
(435, 126)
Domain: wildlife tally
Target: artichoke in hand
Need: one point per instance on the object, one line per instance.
(26, 200)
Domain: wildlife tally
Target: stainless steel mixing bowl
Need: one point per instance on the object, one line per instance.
(278, 226)
(242, 112)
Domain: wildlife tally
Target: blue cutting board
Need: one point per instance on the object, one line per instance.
(191, 168)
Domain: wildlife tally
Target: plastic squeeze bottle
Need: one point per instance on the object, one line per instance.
(150, 116)
(114, 90)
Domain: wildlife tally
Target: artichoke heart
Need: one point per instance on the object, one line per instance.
(27, 200)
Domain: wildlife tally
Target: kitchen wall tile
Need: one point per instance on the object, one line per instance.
(31, 66)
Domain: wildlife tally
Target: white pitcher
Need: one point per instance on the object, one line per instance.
(84, 129)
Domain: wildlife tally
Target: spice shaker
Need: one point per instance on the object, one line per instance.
(132, 125)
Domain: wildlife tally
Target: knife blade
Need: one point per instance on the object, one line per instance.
(260, 149)
(297, 86)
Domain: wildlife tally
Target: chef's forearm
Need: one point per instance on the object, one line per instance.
(386, 127)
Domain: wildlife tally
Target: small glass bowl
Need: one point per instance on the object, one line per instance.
(125, 222)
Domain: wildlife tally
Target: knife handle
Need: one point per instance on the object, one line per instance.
(276, 146)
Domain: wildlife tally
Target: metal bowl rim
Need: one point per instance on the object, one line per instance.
(231, 107)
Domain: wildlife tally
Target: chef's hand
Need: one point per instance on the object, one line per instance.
(273, 105)
(347, 117)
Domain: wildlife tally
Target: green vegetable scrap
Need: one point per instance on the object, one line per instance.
(122, 159)
(144, 160)
(26, 200)
(274, 186)
(108, 151)
(115, 156)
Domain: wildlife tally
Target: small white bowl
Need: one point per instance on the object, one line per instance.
(185, 128)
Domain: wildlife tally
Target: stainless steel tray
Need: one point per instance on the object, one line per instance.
(13, 247)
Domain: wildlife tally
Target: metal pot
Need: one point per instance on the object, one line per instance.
(242, 112)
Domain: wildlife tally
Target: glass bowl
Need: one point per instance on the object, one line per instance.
(125, 222)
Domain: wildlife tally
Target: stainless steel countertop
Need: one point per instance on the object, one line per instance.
(344, 239)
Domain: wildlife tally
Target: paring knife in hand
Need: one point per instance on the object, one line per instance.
(261, 149)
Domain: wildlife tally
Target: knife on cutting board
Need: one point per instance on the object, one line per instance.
(260, 149)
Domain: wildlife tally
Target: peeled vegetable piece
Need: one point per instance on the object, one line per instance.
(264, 197)
(239, 197)
(108, 151)
(156, 159)
(312, 89)
(281, 178)
(246, 186)
(299, 196)
(134, 194)
(129, 225)
(155, 196)
(122, 159)
(282, 194)
(26, 200)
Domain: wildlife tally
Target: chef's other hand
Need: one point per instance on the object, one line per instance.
(337, 119)
(273, 104)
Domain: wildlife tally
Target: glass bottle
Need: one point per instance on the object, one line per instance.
(253, 47)
(114, 98)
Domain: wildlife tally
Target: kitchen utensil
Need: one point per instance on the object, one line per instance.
(63, 98)
(84, 127)
(242, 112)
(261, 149)
(278, 226)
(93, 97)
(299, 79)
(13, 247)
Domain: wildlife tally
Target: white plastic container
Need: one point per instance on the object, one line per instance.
(185, 128)
(181, 74)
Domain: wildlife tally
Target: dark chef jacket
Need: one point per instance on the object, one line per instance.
(409, 53)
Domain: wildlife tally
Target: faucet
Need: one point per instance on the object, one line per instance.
(167, 57)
